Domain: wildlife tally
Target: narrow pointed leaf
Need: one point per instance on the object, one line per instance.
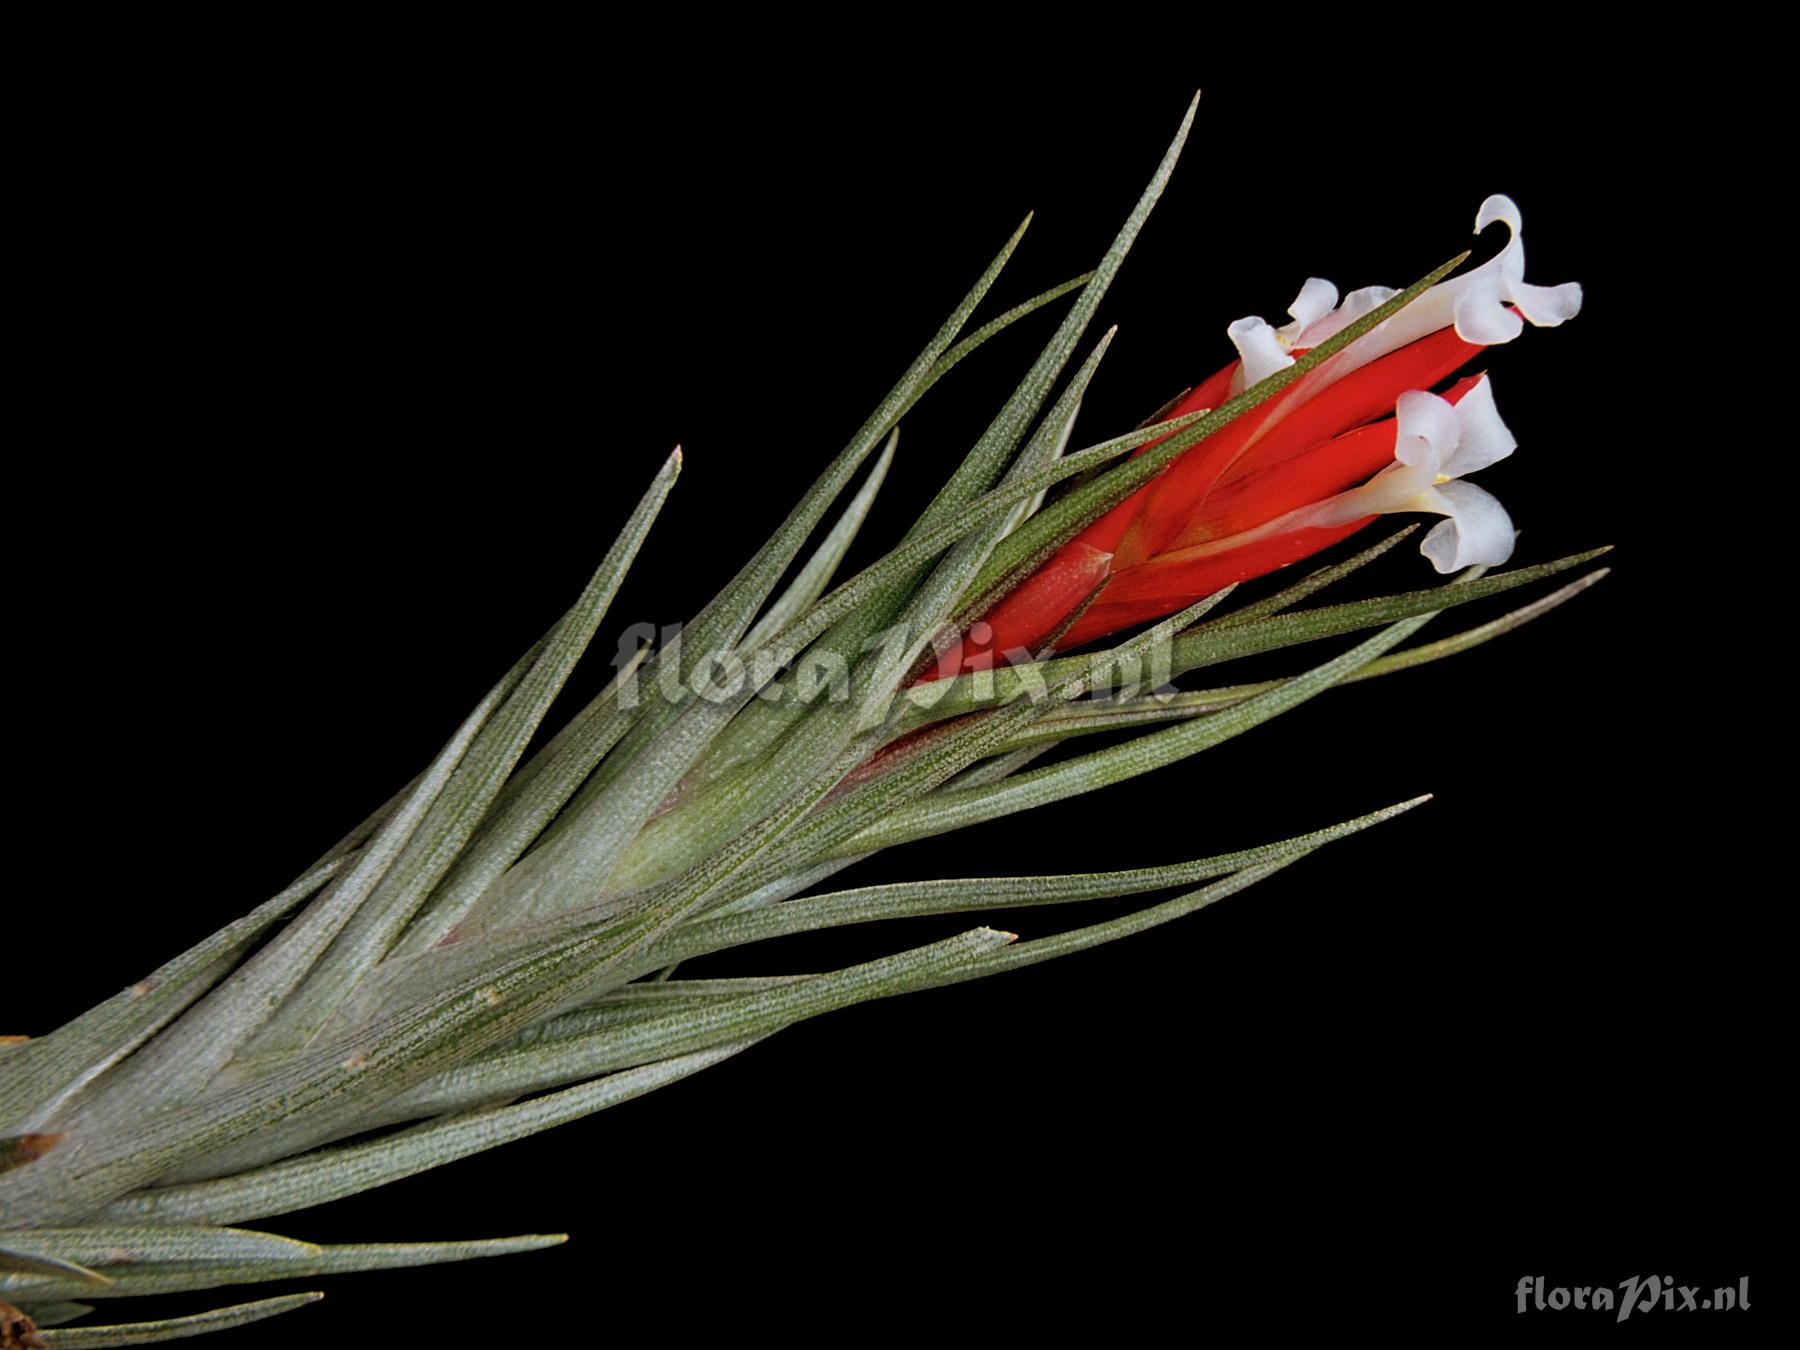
(470, 791)
(22, 1267)
(38, 1076)
(905, 900)
(176, 1328)
(332, 1174)
(99, 1246)
(681, 1030)
(827, 833)
(609, 808)
(816, 575)
(1312, 582)
(1037, 950)
(186, 1057)
(57, 1314)
(1212, 644)
(334, 1079)
(967, 347)
(308, 1262)
(1103, 768)
(1085, 718)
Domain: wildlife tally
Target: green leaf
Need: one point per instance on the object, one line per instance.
(179, 1063)
(1030, 953)
(752, 728)
(827, 832)
(452, 818)
(101, 1245)
(685, 1028)
(304, 1261)
(967, 346)
(907, 599)
(579, 851)
(39, 1076)
(1081, 719)
(332, 1174)
(915, 899)
(1212, 644)
(482, 1005)
(686, 833)
(1311, 583)
(810, 584)
(21, 1268)
(175, 1328)
(1102, 768)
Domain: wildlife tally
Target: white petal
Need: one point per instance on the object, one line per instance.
(1546, 306)
(1480, 314)
(1476, 303)
(1317, 298)
(1356, 304)
(1397, 488)
(1478, 530)
(1499, 207)
(1259, 350)
(1481, 437)
(1427, 435)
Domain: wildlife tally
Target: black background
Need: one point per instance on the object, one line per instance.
(350, 373)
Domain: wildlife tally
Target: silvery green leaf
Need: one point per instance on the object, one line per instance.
(575, 858)
(1103, 768)
(680, 1028)
(816, 575)
(453, 816)
(39, 1076)
(1214, 643)
(904, 900)
(180, 1062)
(331, 1174)
(176, 1276)
(175, 1328)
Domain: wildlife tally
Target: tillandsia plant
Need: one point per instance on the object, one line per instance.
(496, 950)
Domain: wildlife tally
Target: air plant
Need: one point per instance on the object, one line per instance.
(495, 950)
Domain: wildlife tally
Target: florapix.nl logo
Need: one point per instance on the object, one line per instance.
(1639, 1294)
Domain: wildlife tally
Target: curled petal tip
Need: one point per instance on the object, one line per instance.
(1498, 206)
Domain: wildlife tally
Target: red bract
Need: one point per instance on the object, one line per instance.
(1350, 440)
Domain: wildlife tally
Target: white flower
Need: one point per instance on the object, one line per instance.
(1436, 443)
(1476, 304)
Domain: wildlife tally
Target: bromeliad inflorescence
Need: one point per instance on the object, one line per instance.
(1287, 480)
(494, 951)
